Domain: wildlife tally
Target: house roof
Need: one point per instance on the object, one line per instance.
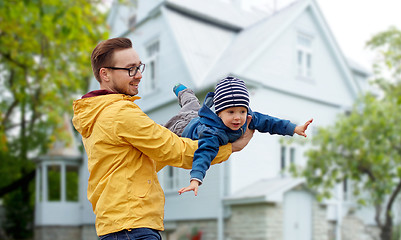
(265, 190)
(200, 43)
(247, 45)
(358, 68)
(211, 10)
(217, 43)
(203, 31)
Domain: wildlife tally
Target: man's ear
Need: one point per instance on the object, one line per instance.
(104, 74)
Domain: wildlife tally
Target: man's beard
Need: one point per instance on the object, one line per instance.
(122, 91)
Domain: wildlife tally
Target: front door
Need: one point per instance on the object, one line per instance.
(297, 215)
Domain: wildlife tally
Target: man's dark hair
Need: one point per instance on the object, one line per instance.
(102, 55)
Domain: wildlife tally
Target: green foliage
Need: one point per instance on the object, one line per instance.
(363, 147)
(387, 45)
(19, 213)
(45, 49)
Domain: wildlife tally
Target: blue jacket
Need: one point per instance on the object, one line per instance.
(211, 132)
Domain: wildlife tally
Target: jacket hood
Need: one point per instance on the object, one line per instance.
(210, 118)
(88, 108)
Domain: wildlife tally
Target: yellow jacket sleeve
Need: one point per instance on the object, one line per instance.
(157, 142)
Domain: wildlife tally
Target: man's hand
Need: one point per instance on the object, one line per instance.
(300, 130)
(193, 186)
(241, 142)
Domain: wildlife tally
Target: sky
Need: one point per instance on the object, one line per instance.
(354, 22)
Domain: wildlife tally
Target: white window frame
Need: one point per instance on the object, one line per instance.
(304, 55)
(347, 188)
(149, 85)
(287, 157)
(42, 183)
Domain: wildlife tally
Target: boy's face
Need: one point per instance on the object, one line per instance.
(233, 117)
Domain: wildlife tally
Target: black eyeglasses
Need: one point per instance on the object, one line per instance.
(132, 71)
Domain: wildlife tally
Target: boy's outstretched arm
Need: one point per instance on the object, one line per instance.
(193, 186)
(300, 130)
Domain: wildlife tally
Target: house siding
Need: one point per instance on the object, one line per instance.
(88, 232)
(204, 206)
(353, 228)
(185, 229)
(170, 66)
(276, 66)
(321, 227)
(264, 221)
(254, 222)
(57, 232)
(84, 232)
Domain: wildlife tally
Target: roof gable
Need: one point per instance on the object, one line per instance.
(248, 44)
(217, 12)
(252, 42)
(200, 43)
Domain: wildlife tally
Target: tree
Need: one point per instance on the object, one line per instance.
(364, 146)
(45, 48)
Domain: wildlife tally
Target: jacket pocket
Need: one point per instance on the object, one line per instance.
(141, 187)
(141, 177)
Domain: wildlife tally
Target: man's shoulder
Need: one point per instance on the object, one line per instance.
(118, 103)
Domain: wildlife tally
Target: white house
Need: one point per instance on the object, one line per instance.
(294, 70)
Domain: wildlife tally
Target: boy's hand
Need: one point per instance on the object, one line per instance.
(193, 186)
(300, 130)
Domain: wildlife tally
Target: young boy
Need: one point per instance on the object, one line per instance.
(226, 123)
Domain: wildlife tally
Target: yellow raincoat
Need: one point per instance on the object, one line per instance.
(125, 150)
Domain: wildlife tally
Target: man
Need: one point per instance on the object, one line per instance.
(126, 148)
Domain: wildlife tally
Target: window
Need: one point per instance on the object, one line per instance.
(152, 52)
(304, 56)
(292, 155)
(58, 182)
(287, 156)
(39, 188)
(283, 157)
(54, 183)
(72, 183)
(346, 190)
(171, 178)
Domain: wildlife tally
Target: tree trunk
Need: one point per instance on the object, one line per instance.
(387, 229)
(24, 180)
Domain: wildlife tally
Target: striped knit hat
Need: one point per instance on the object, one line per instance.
(230, 92)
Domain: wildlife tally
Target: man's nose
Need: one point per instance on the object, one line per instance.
(138, 75)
